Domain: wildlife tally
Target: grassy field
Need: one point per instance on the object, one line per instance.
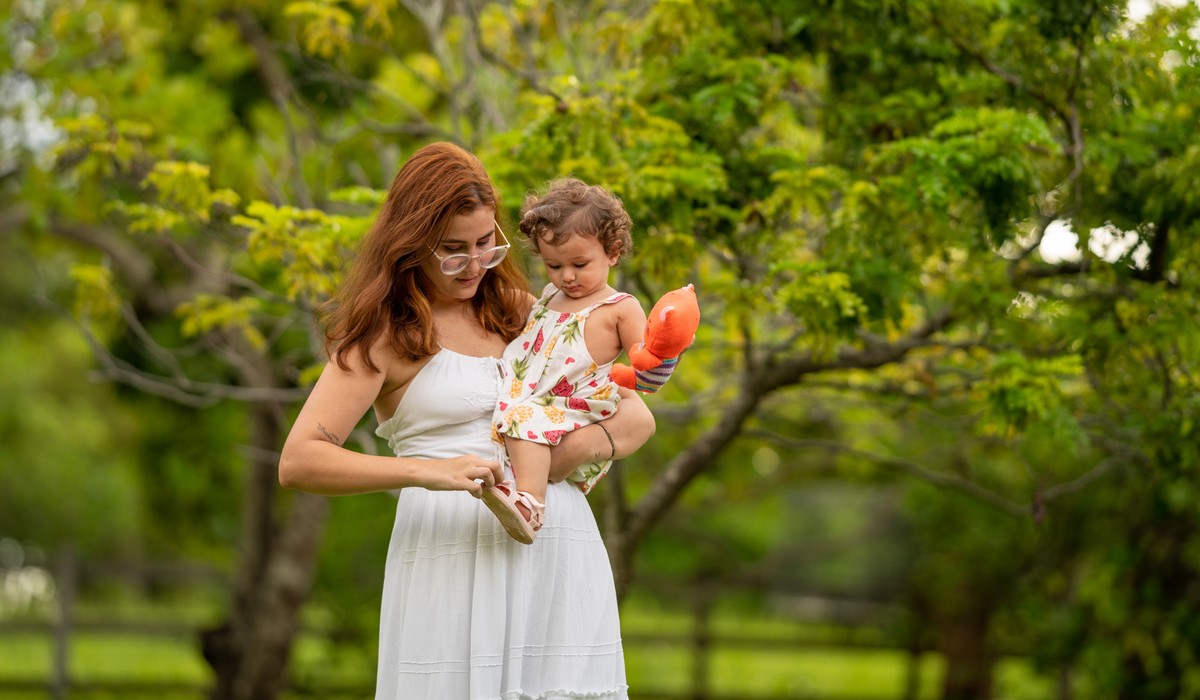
(656, 668)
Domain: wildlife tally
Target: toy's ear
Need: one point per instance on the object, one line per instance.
(662, 315)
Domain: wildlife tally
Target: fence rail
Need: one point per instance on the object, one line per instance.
(701, 641)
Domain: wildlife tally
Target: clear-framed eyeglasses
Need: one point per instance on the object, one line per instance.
(454, 264)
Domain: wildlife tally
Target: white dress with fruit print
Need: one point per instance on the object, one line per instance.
(551, 385)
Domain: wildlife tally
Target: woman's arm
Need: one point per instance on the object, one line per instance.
(631, 426)
(314, 460)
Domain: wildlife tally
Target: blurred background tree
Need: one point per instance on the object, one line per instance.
(872, 199)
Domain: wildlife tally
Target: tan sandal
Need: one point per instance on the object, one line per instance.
(502, 499)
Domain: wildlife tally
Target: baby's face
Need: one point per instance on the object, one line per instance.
(579, 266)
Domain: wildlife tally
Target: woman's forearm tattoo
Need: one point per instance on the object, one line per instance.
(329, 436)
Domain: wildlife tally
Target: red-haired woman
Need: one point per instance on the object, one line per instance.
(415, 332)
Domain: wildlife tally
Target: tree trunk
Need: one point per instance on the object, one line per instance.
(963, 642)
(703, 599)
(249, 652)
(914, 648)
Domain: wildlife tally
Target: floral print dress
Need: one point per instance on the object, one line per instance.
(550, 384)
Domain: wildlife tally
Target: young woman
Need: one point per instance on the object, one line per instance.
(416, 332)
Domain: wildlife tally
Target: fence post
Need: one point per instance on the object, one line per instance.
(66, 584)
(702, 604)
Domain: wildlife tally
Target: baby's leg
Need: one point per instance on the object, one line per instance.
(521, 514)
(530, 464)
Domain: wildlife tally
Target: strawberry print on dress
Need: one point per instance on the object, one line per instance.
(550, 385)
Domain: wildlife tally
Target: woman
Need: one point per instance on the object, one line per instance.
(426, 309)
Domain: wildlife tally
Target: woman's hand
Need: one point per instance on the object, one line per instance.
(467, 473)
(631, 426)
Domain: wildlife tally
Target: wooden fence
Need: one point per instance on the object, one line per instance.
(700, 640)
(64, 625)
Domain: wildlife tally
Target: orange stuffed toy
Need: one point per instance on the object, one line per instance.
(670, 329)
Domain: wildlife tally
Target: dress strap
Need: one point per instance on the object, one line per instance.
(548, 293)
(619, 296)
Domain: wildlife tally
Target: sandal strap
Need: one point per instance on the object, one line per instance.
(537, 509)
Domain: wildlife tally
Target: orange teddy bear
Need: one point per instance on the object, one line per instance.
(670, 329)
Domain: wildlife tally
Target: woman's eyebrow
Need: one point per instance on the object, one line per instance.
(460, 241)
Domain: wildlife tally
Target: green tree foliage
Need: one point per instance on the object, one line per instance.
(66, 438)
(866, 195)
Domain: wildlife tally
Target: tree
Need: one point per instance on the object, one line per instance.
(861, 192)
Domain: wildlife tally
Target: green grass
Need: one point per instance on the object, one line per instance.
(818, 673)
(813, 672)
(319, 661)
(29, 656)
(820, 669)
(26, 656)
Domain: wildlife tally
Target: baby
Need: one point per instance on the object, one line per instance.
(556, 373)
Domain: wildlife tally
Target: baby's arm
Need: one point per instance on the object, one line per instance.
(631, 323)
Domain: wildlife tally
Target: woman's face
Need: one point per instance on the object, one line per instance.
(468, 234)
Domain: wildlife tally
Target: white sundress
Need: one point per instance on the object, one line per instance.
(469, 613)
(551, 384)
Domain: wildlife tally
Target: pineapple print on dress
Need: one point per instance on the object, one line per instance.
(519, 368)
(554, 414)
(549, 371)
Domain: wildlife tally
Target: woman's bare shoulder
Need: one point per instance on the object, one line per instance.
(380, 358)
(397, 372)
(398, 369)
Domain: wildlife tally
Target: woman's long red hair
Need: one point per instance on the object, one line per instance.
(386, 290)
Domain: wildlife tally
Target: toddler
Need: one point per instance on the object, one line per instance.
(556, 373)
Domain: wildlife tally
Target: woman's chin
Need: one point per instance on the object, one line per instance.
(460, 290)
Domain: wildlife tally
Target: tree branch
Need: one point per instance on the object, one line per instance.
(1074, 127)
(1011, 78)
(229, 279)
(1068, 115)
(755, 387)
(183, 390)
(418, 124)
(527, 76)
(430, 14)
(13, 218)
(279, 86)
(192, 393)
(951, 481)
(133, 264)
(1047, 271)
(873, 354)
(1081, 482)
(911, 468)
(1043, 222)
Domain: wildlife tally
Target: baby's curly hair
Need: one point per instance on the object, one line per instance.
(571, 207)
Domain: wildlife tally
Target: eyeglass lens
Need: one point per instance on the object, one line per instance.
(453, 264)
